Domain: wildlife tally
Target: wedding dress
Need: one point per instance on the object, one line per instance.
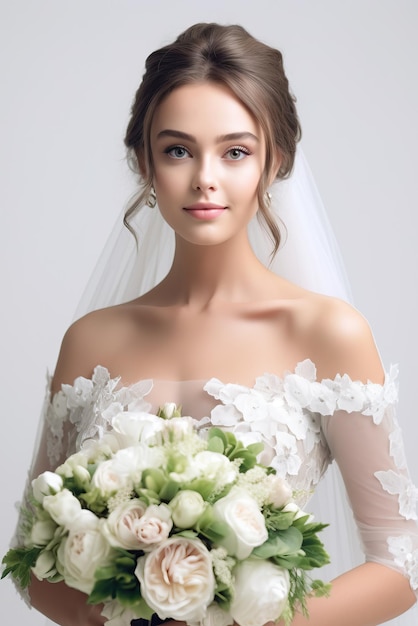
(304, 423)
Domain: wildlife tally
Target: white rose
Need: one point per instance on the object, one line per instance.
(45, 565)
(133, 526)
(261, 592)
(132, 428)
(81, 553)
(186, 507)
(213, 466)
(246, 525)
(63, 507)
(215, 616)
(280, 492)
(177, 579)
(42, 532)
(104, 448)
(46, 484)
(108, 478)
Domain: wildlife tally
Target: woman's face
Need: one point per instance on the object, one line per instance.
(208, 156)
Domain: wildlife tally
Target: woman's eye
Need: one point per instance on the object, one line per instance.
(177, 152)
(237, 153)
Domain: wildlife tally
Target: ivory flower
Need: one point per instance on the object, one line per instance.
(261, 592)
(177, 580)
(246, 525)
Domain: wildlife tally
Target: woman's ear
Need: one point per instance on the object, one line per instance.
(275, 167)
(141, 164)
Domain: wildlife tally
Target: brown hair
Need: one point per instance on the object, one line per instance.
(253, 71)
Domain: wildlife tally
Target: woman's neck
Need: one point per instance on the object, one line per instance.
(201, 276)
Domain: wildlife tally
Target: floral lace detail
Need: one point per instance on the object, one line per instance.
(402, 486)
(405, 557)
(285, 414)
(90, 405)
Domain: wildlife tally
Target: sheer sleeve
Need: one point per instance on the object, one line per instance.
(367, 445)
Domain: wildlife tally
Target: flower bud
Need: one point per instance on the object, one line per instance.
(42, 532)
(186, 508)
(46, 484)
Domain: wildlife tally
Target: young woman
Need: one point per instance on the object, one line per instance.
(213, 126)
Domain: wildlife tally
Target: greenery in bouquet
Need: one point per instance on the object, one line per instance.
(154, 518)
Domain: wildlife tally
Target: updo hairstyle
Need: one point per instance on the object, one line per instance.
(230, 56)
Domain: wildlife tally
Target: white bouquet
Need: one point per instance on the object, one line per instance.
(155, 519)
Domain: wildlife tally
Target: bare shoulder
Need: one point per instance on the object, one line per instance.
(90, 341)
(340, 340)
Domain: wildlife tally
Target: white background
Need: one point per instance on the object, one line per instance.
(69, 69)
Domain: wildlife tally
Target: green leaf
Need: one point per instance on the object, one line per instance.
(320, 589)
(102, 590)
(278, 520)
(215, 531)
(215, 444)
(18, 562)
(282, 543)
(189, 534)
(154, 479)
(94, 500)
(169, 490)
(255, 448)
(117, 580)
(219, 434)
(203, 486)
(141, 609)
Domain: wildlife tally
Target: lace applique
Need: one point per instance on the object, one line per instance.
(405, 557)
(285, 413)
(402, 486)
(90, 405)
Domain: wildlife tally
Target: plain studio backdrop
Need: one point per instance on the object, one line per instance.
(69, 70)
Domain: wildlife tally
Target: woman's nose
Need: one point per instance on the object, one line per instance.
(205, 176)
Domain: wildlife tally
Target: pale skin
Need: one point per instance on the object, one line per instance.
(219, 312)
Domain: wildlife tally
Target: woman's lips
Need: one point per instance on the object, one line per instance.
(205, 210)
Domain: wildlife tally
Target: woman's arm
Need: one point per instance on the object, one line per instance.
(365, 596)
(63, 605)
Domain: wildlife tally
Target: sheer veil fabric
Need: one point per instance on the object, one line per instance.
(308, 256)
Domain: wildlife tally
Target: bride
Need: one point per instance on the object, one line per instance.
(213, 135)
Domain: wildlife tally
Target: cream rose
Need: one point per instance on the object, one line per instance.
(47, 484)
(261, 592)
(133, 526)
(187, 506)
(246, 525)
(81, 553)
(177, 579)
(108, 478)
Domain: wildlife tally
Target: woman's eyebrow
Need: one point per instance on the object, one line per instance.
(178, 134)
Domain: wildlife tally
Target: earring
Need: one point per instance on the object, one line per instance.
(152, 199)
(267, 199)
